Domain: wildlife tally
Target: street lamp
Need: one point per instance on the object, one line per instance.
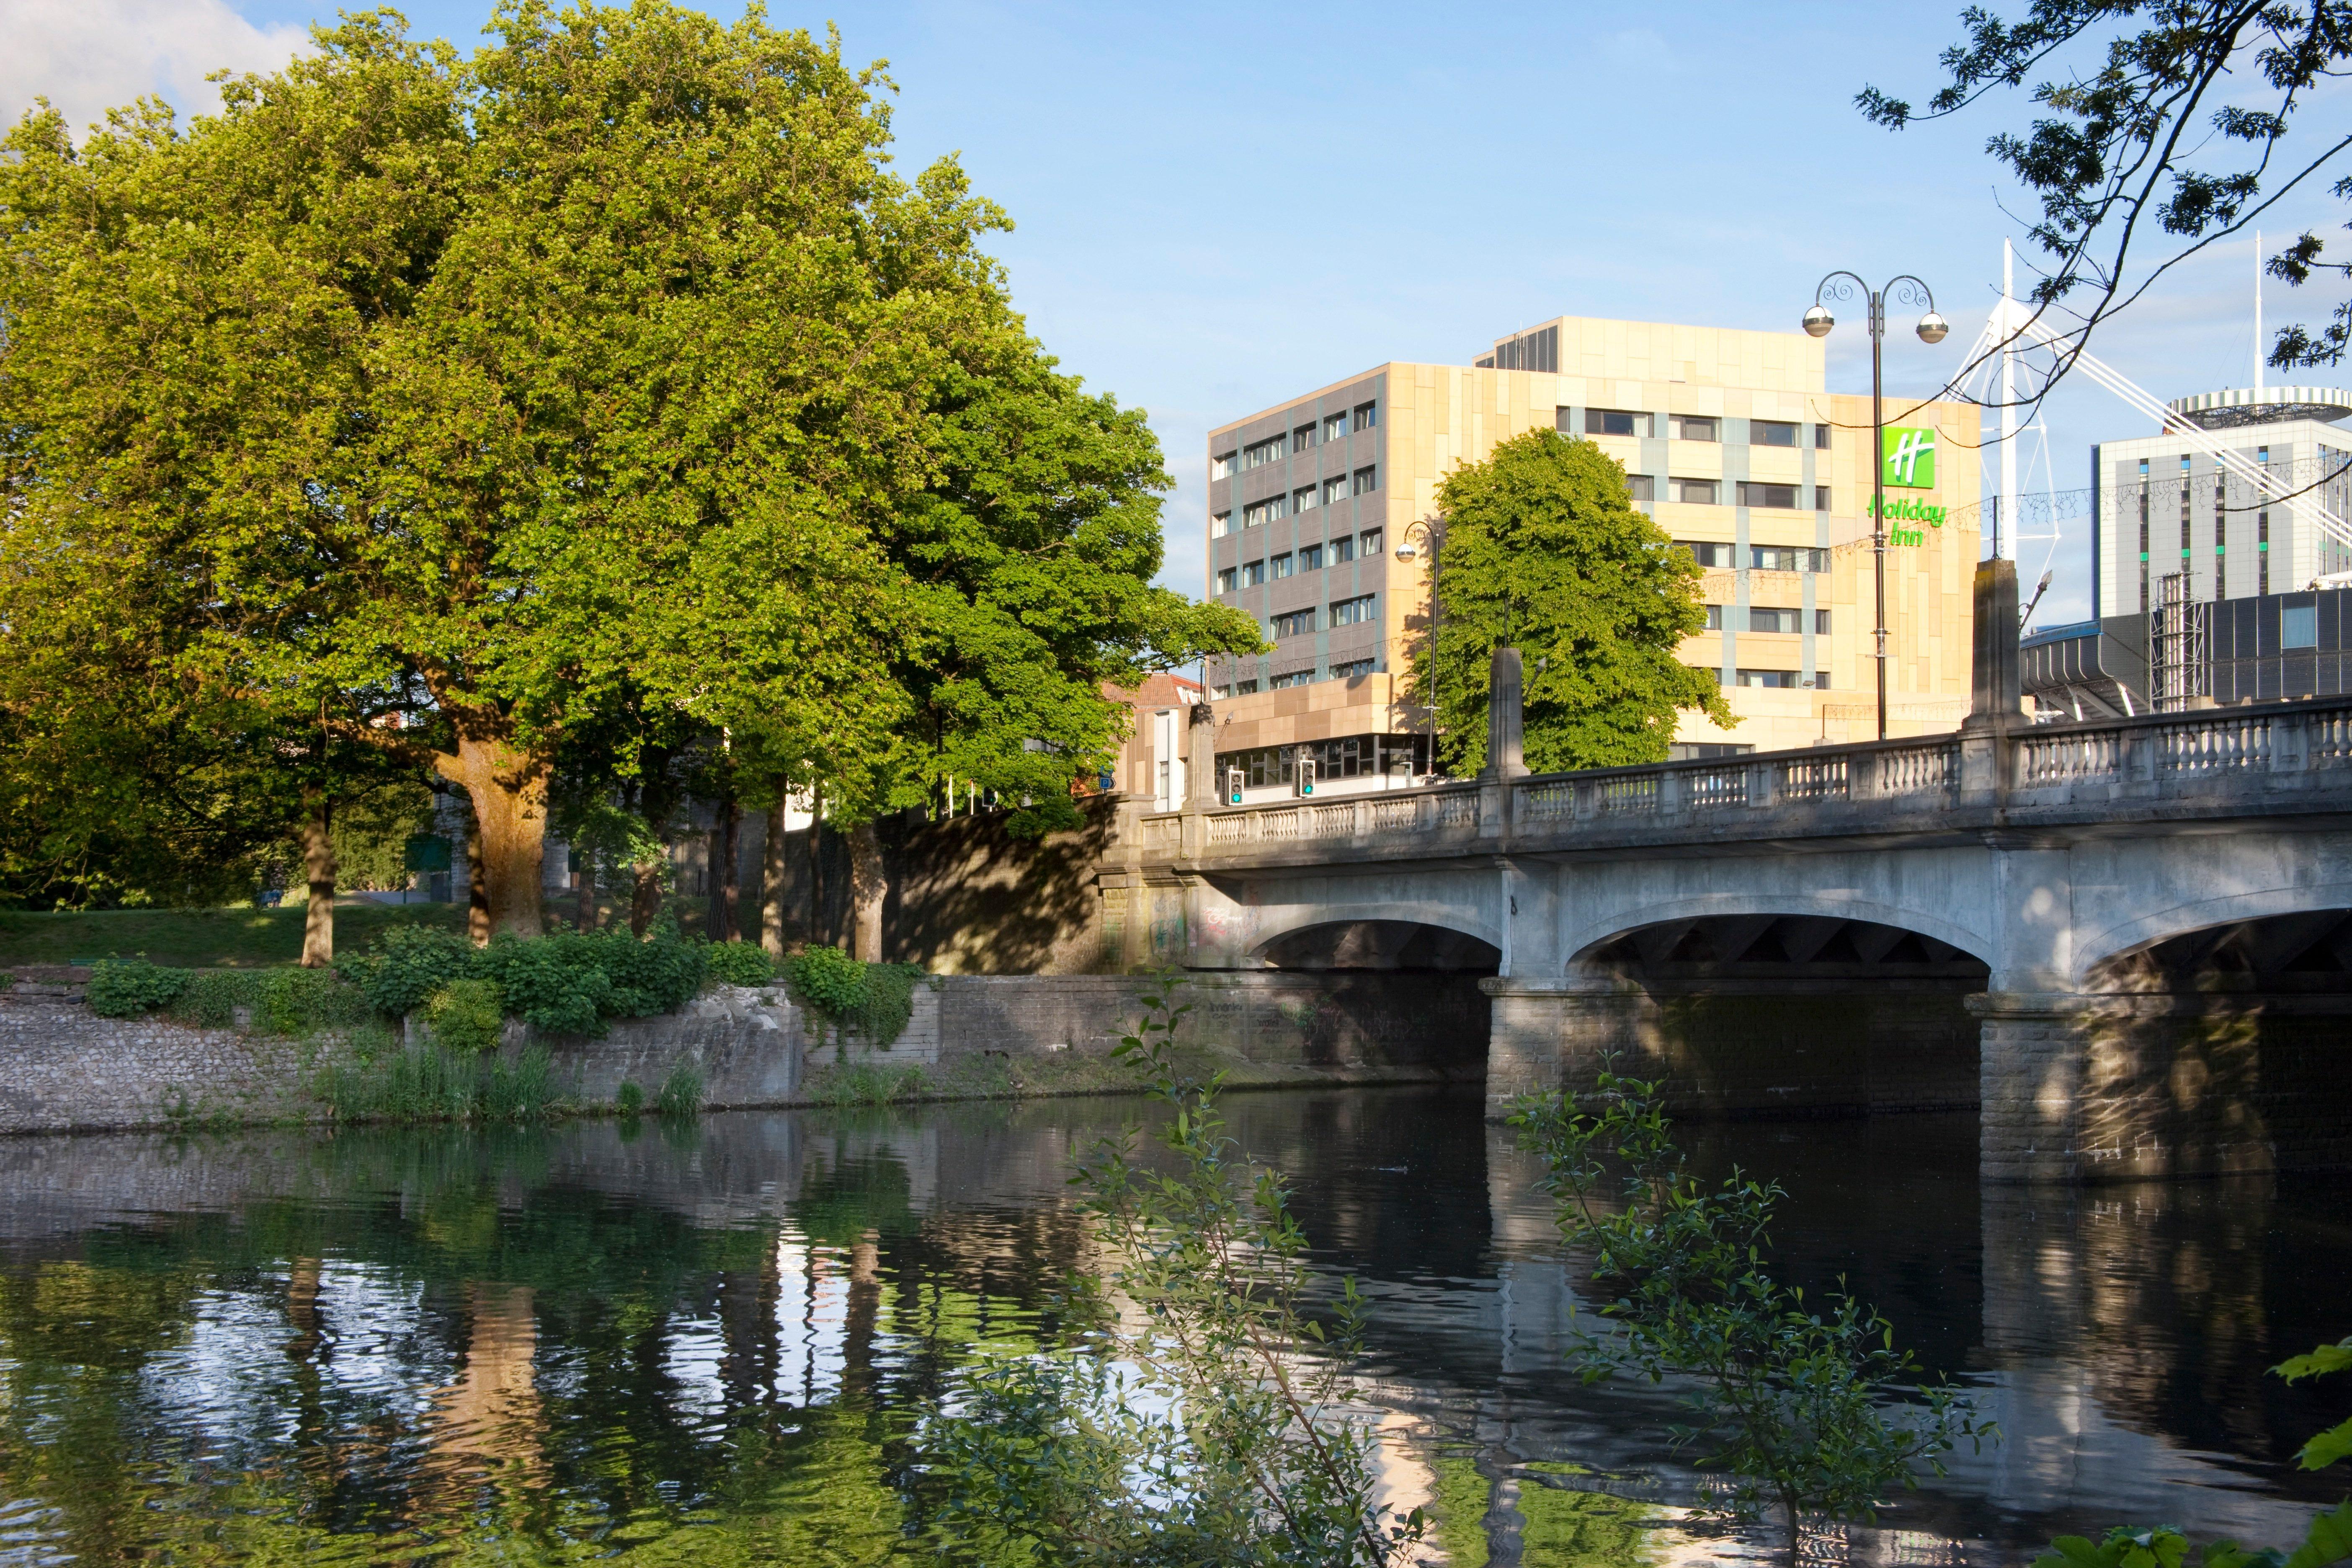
(1905, 290)
(1427, 534)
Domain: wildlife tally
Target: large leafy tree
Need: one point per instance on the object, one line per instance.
(452, 383)
(1542, 551)
(2163, 126)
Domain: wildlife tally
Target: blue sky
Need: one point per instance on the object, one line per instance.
(1219, 207)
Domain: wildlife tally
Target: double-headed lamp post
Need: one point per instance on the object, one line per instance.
(1426, 534)
(1908, 290)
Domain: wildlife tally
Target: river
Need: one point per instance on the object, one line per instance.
(707, 1342)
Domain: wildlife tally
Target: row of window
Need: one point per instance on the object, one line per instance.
(1273, 449)
(1781, 679)
(1746, 492)
(1772, 620)
(1689, 427)
(1274, 509)
(1355, 756)
(1343, 613)
(1307, 558)
(1761, 557)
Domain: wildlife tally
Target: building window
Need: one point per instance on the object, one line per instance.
(2263, 546)
(1228, 580)
(1369, 543)
(1821, 437)
(1350, 612)
(1822, 626)
(1759, 620)
(1220, 467)
(1296, 624)
(1695, 493)
(2299, 624)
(1282, 566)
(1753, 492)
(1335, 426)
(1221, 524)
(1351, 669)
(1343, 549)
(1641, 487)
(1303, 438)
(1334, 492)
(1219, 692)
(1692, 427)
(1258, 454)
(1261, 513)
(1715, 617)
(1295, 677)
(1244, 687)
(1368, 414)
(1615, 422)
(1252, 574)
(1303, 499)
(1820, 497)
(1706, 554)
(1310, 558)
(1704, 752)
(1769, 679)
(1772, 433)
(1783, 558)
(1367, 481)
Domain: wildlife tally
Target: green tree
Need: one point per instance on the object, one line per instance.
(447, 380)
(1542, 551)
(2168, 123)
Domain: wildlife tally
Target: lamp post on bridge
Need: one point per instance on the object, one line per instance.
(1431, 533)
(1908, 290)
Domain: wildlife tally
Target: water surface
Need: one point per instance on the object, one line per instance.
(708, 1343)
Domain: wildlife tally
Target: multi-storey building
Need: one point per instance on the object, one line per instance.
(1323, 513)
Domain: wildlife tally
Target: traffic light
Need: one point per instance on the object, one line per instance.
(1233, 786)
(1305, 775)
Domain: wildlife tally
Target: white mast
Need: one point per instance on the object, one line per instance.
(2259, 356)
(2005, 517)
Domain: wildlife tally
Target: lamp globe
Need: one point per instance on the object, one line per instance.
(1818, 322)
(1932, 328)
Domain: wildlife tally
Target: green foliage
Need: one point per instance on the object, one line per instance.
(629, 1099)
(2327, 1540)
(888, 1003)
(402, 967)
(864, 1083)
(467, 1015)
(429, 1083)
(741, 964)
(1543, 551)
(872, 1000)
(827, 982)
(680, 1093)
(126, 987)
(242, 937)
(1219, 1431)
(558, 985)
(1788, 1395)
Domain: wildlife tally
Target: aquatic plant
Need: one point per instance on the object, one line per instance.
(432, 1083)
(680, 1093)
(1221, 1427)
(1787, 1399)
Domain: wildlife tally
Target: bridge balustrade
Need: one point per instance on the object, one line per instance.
(2211, 762)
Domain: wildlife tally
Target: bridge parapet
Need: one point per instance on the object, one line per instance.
(2287, 758)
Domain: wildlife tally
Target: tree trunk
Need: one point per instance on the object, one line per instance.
(771, 877)
(726, 870)
(509, 789)
(319, 866)
(645, 897)
(869, 883)
(477, 891)
(584, 872)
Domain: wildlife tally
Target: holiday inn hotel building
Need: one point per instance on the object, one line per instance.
(1321, 511)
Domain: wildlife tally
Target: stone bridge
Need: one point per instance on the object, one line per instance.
(2127, 942)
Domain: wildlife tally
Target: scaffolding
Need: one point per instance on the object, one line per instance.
(2180, 663)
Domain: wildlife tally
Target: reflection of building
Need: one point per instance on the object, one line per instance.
(1727, 437)
(2207, 589)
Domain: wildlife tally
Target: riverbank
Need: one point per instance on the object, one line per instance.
(972, 1038)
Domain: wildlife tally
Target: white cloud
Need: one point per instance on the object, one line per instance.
(89, 56)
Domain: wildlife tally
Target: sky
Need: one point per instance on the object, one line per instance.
(1219, 207)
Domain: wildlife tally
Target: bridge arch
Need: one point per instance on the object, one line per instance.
(2254, 922)
(1383, 944)
(1280, 930)
(1825, 912)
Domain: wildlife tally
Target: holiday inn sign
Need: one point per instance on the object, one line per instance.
(1909, 459)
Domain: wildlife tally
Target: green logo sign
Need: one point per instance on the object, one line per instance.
(1910, 458)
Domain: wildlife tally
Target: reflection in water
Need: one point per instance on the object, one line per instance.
(710, 1344)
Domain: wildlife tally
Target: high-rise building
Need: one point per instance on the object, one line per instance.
(1323, 516)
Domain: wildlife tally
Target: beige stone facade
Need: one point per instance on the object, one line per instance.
(1681, 407)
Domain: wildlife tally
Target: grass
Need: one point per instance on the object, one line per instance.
(200, 938)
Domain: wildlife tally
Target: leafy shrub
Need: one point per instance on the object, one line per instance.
(682, 1091)
(659, 974)
(214, 995)
(558, 985)
(828, 982)
(629, 1099)
(407, 965)
(126, 987)
(303, 1001)
(467, 1015)
(741, 964)
(881, 1015)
